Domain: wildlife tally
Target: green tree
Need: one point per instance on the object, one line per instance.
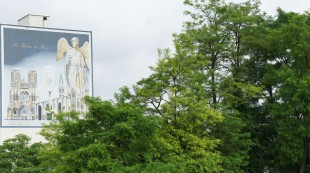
(18, 155)
(279, 62)
(214, 39)
(291, 95)
(111, 137)
(174, 92)
(233, 97)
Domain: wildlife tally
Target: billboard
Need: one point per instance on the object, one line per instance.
(43, 72)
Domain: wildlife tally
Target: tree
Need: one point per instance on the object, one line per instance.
(217, 29)
(215, 39)
(279, 62)
(17, 155)
(175, 93)
(111, 137)
(232, 97)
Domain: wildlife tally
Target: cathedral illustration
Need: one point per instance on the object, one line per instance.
(25, 102)
(23, 96)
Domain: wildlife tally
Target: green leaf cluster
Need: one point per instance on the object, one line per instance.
(232, 96)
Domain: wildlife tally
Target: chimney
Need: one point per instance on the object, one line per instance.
(34, 20)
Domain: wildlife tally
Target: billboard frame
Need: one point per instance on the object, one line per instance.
(61, 30)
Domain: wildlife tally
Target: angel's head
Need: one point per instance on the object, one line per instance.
(75, 42)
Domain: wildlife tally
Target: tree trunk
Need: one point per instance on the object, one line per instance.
(213, 90)
(305, 156)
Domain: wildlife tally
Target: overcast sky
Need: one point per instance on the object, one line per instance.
(126, 34)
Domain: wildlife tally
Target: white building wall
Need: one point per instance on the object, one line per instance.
(33, 133)
(24, 21)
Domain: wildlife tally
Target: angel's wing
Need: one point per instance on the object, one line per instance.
(85, 51)
(62, 47)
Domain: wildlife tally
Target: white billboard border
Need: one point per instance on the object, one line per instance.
(2, 26)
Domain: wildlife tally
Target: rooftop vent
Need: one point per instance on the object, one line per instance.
(34, 20)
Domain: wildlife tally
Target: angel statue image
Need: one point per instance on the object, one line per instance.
(77, 64)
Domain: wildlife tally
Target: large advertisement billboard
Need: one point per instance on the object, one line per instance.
(43, 72)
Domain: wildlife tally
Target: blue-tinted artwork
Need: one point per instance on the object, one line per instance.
(44, 72)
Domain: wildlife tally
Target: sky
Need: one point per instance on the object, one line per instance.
(126, 34)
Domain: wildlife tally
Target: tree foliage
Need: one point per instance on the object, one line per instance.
(18, 155)
(232, 96)
(281, 59)
(110, 136)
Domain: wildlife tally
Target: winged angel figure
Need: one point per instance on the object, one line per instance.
(77, 64)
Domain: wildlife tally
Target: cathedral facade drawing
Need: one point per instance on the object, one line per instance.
(23, 96)
(25, 103)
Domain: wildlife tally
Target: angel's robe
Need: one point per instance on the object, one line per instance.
(75, 71)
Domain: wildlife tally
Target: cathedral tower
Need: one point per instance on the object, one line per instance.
(23, 96)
